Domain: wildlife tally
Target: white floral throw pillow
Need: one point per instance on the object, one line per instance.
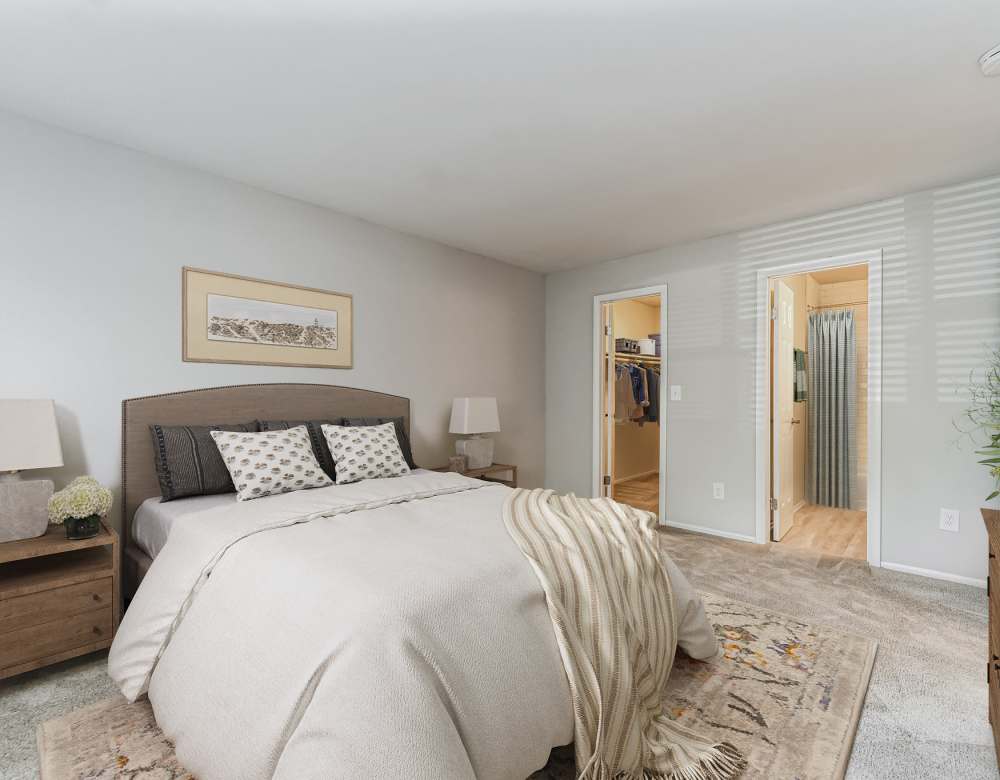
(270, 462)
(365, 451)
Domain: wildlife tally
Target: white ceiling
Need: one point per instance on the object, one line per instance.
(549, 133)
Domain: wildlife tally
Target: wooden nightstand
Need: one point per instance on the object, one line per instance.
(58, 598)
(490, 473)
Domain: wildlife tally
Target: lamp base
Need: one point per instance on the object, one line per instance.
(24, 508)
(478, 451)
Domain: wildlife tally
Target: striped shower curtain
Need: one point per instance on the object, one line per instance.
(832, 408)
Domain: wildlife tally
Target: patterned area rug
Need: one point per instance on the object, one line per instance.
(786, 693)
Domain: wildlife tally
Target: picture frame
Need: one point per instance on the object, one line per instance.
(227, 318)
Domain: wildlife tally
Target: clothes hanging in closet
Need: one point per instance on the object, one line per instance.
(630, 393)
(653, 383)
(639, 385)
(624, 397)
(636, 393)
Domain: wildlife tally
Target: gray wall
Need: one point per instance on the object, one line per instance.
(941, 294)
(92, 240)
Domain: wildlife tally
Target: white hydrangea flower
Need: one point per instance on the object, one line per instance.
(82, 497)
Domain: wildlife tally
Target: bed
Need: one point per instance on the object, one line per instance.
(216, 405)
(385, 628)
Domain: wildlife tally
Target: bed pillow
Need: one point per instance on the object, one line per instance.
(270, 462)
(401, 437)
(319, 446)
(365, 451)
(188, 462)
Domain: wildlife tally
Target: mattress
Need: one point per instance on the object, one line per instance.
(404, 602)
(154, 518)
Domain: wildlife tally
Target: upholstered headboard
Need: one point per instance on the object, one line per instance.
(233, 404)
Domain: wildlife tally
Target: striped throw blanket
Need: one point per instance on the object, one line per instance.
(612, 608)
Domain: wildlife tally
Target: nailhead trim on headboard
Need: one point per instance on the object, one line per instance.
(358, 402)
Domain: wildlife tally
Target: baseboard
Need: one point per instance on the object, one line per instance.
(700, 529)
(935, 575)
(640, 475)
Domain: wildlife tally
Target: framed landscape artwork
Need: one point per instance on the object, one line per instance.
(235, 319)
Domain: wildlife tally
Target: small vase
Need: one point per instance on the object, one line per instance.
(82, 527)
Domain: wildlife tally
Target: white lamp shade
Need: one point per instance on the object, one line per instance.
(29, 438)
(474, 415)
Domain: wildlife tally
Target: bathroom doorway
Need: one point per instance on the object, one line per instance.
(821, 411)
(630, 372)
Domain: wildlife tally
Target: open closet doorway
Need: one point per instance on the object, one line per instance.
(819, 350)
(630, 444)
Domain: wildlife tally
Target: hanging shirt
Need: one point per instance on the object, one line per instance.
(640, 387)
(625, 403)
(653, 382)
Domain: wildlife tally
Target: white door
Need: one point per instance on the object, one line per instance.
(608, 400)
(783, 412)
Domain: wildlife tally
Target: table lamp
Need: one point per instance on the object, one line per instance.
(475, 416)
(29, 439)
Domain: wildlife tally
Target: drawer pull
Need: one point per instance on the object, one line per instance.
(97, 597)
(97, 630)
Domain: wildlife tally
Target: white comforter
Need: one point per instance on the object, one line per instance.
(385, 629)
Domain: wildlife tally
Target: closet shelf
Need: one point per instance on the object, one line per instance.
(629, 356)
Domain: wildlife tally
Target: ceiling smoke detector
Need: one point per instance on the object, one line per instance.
(990, 62)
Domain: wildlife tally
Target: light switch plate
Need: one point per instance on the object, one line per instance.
(675, 392)
(949, 520)
(719, 491)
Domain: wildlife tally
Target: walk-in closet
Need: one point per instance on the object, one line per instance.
(632, 401)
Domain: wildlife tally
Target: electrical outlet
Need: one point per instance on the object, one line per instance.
(675, 392)
(719, 491)
(949, 520)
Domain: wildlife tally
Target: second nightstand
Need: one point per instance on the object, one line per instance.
(490, 473)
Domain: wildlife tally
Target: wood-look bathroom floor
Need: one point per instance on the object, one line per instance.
(820, 529)
(823, 529)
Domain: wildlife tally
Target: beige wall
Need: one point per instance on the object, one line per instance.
(812, 296)
(842, 293)
(812, 299)
(636, 446)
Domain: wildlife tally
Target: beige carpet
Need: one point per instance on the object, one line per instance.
(924, 716)
(788, 694)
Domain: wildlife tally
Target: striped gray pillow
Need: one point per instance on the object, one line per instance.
(187, 461)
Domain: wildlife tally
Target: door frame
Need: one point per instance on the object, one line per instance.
(775, 430)
(598, 350)
(762, 362)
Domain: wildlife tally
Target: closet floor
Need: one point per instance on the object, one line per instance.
(829, 531)
(640, 492)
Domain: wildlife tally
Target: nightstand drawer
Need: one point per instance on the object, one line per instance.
(45, 639)
(24, 611)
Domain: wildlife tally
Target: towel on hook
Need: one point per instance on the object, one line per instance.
(799, 358)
